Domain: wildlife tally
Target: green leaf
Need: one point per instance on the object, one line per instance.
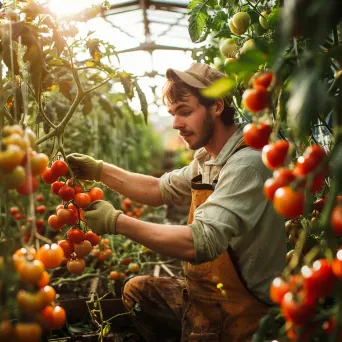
(143, 101)
(219, 88)
(106, 329)
(197, 22)
(126, 81)
(247, 62)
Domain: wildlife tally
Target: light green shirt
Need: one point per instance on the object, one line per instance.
(236, 214)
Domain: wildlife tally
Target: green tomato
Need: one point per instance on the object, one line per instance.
(239, 23)
(229, 60)
(228, 47)
(248, 45)
(14, 178)
(263, 20)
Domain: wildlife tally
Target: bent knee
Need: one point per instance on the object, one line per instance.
(134, 290)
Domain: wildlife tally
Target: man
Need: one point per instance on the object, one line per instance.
(233, 245)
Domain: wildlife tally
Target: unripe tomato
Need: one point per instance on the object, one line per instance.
(82, 200)
(274, 155)
(263, 20)
(76, 266)
(133, 267)
(256, 99)
(239, 23)
(48, 176)
(75, 235)
(29, 302)
(247, 46)
(29, 186)
(67, 246)
(66, 193)
(14, 178)
(39, 163)
(11, 157)
(83, 248)
(228, 47)
(96, 194)
(288, 203)
(257, 136)
(51, 256)
(59, 168)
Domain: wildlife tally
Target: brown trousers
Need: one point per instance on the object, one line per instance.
(160, 300)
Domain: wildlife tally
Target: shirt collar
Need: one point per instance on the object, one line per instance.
(202, 155)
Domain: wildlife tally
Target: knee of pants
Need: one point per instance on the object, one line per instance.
(133, 289)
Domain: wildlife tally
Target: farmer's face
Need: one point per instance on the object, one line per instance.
(193, 121)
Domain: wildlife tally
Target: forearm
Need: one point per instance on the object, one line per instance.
(171, 240)
(141, 188)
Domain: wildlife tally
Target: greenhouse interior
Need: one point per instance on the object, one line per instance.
(170, 170)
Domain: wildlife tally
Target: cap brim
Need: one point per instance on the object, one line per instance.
(186, 78)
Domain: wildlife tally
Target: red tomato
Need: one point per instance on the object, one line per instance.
(30, 185)
(82, 200)
(75, 235)
(257, 136)
(44, 280)
(66, 193)
(298, 309)
(281, 177)
(39, 198)
(59, 168)
(311, 158)
(56, 186)
(278, 289)
(288, 203)
(337, 264)
(96, 194)
(40, 209)
(14, 211)
(48, 176)
(76, 266)
(318, 279)
(67, 246)
(255, 99)
(93, 238)
(263, 80)
(274, 155)
(114, 275)
(336, 220)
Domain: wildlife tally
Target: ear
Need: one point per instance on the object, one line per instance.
(217, 107)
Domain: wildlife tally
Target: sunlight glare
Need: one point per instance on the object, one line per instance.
(66, 7)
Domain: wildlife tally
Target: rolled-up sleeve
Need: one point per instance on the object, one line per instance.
(234, 208)
(175, 186)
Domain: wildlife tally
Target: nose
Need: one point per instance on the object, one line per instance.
(178, 122)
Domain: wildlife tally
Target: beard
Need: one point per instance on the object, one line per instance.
(205, 134)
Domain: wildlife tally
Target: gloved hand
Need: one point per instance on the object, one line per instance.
(85, 167)
(101, 217)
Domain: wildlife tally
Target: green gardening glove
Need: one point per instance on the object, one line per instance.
(85, 167)
(101, 217)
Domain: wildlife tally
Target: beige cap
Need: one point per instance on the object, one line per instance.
(199, 75)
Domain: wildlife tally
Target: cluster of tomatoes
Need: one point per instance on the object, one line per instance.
(35, 298)
(289, 201)
(299, 295)
(78, 243)
(102, 250)
(20, 165)
(131, 208)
